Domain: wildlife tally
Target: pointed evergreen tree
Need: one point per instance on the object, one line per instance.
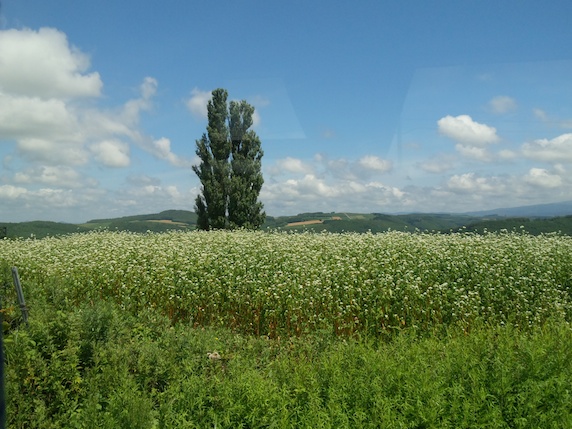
(230, 169)
(244, 209)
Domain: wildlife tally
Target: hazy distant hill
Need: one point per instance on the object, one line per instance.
(538, 210)
(534, 226)
(319, 221)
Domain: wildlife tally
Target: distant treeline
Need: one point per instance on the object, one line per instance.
(335, 222)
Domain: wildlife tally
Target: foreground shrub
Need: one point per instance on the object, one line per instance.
(141, 377)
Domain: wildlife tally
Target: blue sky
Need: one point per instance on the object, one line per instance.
(366, 106)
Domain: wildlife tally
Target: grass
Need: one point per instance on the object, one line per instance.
(100, 367)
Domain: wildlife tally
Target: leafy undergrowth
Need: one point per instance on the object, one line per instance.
(275, 330)
(98, 366)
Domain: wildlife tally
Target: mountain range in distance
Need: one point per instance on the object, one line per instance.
(533, 211)
(534, 219)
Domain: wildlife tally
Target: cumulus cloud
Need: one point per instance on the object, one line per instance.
(311, 192)
(472, 138)
(133, 108)
(322, 183)
(502, 104)
(161, 149)
(52, 152)
(374, 163)
(469, 183)
(23, 116)
(9, 192)
(112, 153)
(50, 124)
(558, 149)
(321, 165)
(43, 80)
(290, 165)
(43, 64)
(467, 132)
(474, 152)
(49, 175)
(542, 178)
(197, 103)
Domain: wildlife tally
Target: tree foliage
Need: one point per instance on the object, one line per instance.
(230, 168)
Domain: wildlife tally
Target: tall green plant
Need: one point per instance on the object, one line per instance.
(230, 168)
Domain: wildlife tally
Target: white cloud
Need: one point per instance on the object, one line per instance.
(374, 163)
(290, 165)
(133, 108)
(540, 114)
(42, 112)
(57, 197)
(142, 180)
(558, 149)
(507, 154)
(161, 149)
(197, 103)
(42, 64)
(470, 183)
(23, 116)
(49, 175)
(11, 192)
(463, 130)
(256, 119)
(542, 178)
(50, 123)
(314, 193)
(111, 153)
(437, 165)
(502, 104)
(52, 152)
(474, 152)
(544, 117)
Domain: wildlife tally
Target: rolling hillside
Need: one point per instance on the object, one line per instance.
(314, 221)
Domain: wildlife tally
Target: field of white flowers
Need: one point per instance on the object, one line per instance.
(276, 283)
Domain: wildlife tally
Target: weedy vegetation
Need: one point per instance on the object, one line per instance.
(290, 330)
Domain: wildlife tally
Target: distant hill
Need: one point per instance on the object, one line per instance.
(314, 221)
(534, 226)
(39, 229)
(538, 210)
(374, 222)
(158, 222)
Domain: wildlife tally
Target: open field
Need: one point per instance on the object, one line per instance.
(313, 330)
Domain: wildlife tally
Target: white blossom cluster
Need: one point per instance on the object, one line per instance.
(278, 283)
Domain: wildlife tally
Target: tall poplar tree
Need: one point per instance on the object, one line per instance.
(230, 168)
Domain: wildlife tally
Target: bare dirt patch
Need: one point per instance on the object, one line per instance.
(306, 222)
(169, 222)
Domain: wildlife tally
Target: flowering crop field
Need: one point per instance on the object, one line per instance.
(307, 330)
(288, 284)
